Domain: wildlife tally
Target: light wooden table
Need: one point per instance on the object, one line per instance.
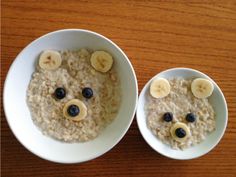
(155, 36)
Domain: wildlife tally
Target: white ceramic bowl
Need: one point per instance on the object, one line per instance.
(216, 99)
(18, 115)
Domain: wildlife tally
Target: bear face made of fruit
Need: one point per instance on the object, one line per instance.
(74, 109)
(200, 88)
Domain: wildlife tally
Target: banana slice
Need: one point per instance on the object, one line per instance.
(160, 88)
(202, 88)
(82, 112)
(50, 60)
(180, 132)
(101, 61)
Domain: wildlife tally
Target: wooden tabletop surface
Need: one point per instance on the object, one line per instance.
(155, 36)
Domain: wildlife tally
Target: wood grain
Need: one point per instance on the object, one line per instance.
(156, 35)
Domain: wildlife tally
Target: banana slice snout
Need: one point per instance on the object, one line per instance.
(160, 88)
(80, 105)
(179, 132)
(50, 60)
(101, 61)
(202, 88)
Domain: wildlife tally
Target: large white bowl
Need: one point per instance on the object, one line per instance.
(216, 99)
(18, 114)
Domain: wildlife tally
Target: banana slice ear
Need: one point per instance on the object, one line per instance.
(101, 61)
(160, 88)
(50, 60)
(202, 88)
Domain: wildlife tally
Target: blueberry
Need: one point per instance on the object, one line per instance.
(87, 92)
(190, 117)
(180, 133)
(60, 93)
(168, 116)
(73, 110)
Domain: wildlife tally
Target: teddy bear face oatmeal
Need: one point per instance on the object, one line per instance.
(74, 95)
(179, 112)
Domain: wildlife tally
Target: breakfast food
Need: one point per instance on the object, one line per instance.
(160, 88)
(101, 61)
(201, 88)
(50, 60)
(75, 110)
(180, 132)
(74, 95)
(179, 112)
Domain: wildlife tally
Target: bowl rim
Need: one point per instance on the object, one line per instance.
(35, 41)
(138, 118)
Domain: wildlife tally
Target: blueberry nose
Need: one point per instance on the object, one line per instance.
(179, 132)
(73, 110)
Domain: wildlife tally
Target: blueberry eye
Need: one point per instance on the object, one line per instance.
(73, 110)
(168, 116)
(60, 93)
(190, 117)
(87, 92)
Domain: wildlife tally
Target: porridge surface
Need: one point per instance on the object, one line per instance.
(74, 74)
(180, 102)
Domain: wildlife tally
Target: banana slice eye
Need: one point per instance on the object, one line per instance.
(180, 132)
(202, 88)
(75, 110)
(160, 88)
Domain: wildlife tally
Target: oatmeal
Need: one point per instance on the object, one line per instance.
(179, 118)
(71, 100)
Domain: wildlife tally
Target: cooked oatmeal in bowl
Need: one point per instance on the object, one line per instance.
(182, 113)
(181, 107)
(70, 94)
(55, 87)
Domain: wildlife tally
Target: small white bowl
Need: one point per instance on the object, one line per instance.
(18, 114)
(216, 99)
